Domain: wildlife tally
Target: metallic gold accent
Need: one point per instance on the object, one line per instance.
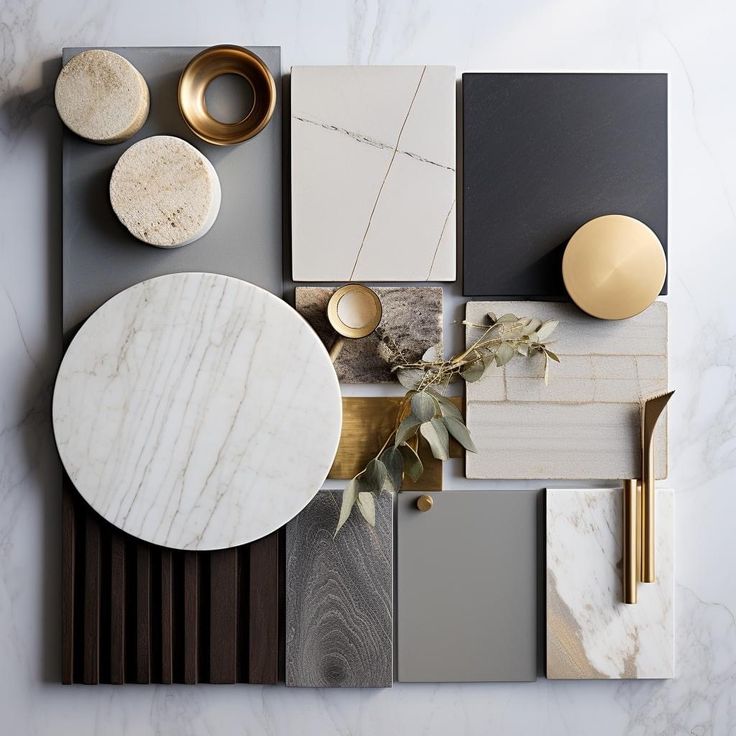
(366, 422)
(651, 410)
(345, 330)
(425, 503)
(614, 267)
(630, 540)
(214, 62)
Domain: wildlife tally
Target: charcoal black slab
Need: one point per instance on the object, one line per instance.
(545, 153)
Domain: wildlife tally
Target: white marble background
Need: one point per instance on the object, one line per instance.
(694, 43)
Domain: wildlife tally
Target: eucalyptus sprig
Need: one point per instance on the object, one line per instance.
(426, 412)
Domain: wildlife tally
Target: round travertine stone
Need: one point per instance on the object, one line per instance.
(165, 191)
(197, 411)
(102, 97)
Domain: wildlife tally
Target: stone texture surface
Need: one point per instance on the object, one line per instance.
(412, 319)
(591, 634)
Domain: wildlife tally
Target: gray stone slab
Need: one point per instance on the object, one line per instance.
(412, 320)
(100, 257)
(467, 587)
(339, 597)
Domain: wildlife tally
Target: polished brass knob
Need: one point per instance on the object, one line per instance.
(424, 503)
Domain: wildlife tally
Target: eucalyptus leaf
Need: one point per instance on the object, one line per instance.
(547, 329)
(367, 507)
(349, 496)
(423, 406)
(374, 475)
(492, 317)
(523, 349)
(432, 354)
(393, 461)
(507, 318)
(532, 326)
(407, 428)
(474, 371)
(460, 432)
(504, 354)
(413, 466)
(438, 438)
(447, 407)
(409, 377)
(552, 355)
(546, 370)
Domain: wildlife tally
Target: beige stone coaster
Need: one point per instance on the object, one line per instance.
(102, 97)
(165, 191)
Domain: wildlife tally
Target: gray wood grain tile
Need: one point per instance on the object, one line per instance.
(339, 597)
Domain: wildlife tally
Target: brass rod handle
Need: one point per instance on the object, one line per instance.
(647, 511)
(336, 348)
(630, 540)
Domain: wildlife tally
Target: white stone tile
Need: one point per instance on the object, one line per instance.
(373, 173)
(585, 423)
(591, 633)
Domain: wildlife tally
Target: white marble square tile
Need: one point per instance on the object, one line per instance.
(591, 633)
(585, 423)
(373, 173)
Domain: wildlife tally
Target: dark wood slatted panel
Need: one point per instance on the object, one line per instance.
(117, 609)
(263, 637)
(92, 573)
(223, 615)
(136, 613)
(143, 614)
(68, 543)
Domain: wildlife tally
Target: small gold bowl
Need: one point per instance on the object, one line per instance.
(214, 62)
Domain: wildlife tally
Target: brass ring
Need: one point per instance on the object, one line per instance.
(214, 62)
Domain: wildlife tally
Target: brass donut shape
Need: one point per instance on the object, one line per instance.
(210, 64)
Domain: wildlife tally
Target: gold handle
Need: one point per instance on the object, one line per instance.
(631, 540)
(647, 512)
(425, 503)
(336, 348)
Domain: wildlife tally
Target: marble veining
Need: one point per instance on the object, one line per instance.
(184, 411)
(373, 173)
(591, 633)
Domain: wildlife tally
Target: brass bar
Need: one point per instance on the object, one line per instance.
(647, 513)
(630, 540)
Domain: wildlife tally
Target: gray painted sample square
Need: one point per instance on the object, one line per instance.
(100, 257)
(467, 587)
(412, 321)
(339, 596)
(543, 154)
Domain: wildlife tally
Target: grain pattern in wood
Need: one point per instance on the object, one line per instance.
(263, 629)
(143, 613)
(92, 584)
(339, 597)
(191, 617)
(117, 608)
(585, 423)
(68, 581)
(166, 613)
(223, 615)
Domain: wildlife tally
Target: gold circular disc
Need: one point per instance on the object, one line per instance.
(614, 267)
(372, 310)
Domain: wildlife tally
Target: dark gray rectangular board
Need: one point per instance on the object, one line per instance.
(339, 596)
(466, 589)
(100, 257)
(543, 153)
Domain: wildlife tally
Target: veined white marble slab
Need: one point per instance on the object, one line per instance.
(373, 173)
(585, 423)
(591, 634)
(185, 411)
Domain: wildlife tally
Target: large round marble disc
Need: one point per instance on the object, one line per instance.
(197, 411)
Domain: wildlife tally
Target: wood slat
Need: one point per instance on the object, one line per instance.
(143, 613)
(117, 608)
(263, 628)
(68, 542)
(223, 615)
(92, 565)
(191, 616)
(167, 616)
